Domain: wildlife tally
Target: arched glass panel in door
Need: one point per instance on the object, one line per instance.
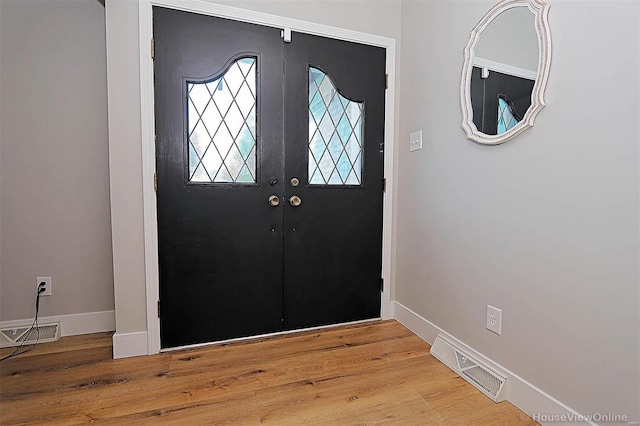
(506, 118)
(221, 121)
(335, 134)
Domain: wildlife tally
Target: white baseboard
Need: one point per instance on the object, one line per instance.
(126, 345)
(541, 406)
(73, 324)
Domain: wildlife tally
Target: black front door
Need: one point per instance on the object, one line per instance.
(269, 158)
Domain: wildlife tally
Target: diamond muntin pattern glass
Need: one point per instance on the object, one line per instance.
(335, 134)
(221, 116)
(506, 120)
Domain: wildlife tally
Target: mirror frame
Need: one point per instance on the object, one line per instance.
(541, 12)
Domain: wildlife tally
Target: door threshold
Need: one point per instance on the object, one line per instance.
(268, 335)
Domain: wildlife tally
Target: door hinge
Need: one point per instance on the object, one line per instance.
(386, 81)
(155, 181)
(381, 285)
(384, 184)
(153, 49)
(158, 309)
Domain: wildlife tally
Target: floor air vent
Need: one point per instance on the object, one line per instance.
(487, 381)
(14, 336)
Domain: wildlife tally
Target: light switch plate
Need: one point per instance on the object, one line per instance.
(415, 141)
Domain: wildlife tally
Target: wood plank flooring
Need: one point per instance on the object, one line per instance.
(365, 374)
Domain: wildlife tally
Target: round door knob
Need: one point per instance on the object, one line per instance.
(295, 201)
(274, 200)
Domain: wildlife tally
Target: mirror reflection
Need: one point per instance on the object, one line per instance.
(505, 72)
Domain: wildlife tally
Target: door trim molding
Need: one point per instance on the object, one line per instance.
(145, 23)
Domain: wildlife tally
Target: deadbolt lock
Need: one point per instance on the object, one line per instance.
(295, 181)
(295, 201)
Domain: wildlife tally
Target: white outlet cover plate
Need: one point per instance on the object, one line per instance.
(415, 141)
(47, 292)
(494, 319)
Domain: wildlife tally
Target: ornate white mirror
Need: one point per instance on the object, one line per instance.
(505, 72)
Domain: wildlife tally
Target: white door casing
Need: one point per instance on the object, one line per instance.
(148, 135)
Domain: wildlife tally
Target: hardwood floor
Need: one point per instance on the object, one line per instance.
(373, 373)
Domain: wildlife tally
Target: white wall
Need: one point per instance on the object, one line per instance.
(125, 165)
(54, 182)
(544, 227)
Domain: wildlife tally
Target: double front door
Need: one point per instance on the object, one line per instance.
(269, 159)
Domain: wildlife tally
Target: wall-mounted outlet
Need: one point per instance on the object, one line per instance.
(494, 319)
(46, 285)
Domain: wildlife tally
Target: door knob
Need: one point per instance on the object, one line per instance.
(274, 200)
(295, 201)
